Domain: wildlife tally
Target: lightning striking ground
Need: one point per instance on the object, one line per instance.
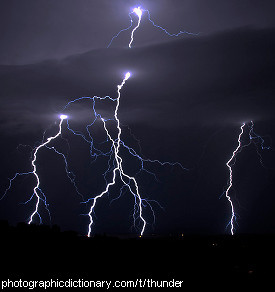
(230, 182)
(253, 139)
(37, 189)
(115, 161)
(118, 168)
(38, 194)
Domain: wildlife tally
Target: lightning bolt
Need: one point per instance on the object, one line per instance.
(37, 189)
(230, 182)
(37, 192)
(138, 11)
(115, 165)
(253, 139)
(123, 176)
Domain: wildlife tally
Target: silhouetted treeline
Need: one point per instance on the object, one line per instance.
(29, 230)
(46, 251)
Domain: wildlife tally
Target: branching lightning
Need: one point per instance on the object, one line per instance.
(256, 140)
(114, 154)
(138, 11)
(38, 194)
(115, 163)
(126, 179)
(37, 189)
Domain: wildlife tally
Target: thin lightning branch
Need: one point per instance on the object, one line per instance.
(258, 142)
(134, 153)
(11, 181)
(166, 31)
(125, 29)
(69, 173)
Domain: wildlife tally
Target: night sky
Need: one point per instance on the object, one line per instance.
(185, 102)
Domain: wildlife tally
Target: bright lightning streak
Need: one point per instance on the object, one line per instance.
(127, 76)
(230, 183)
(36, 188)
(63, 117)
(138, 12)
(37, 192)
(118, 167)
(253, 139)
(115, 165)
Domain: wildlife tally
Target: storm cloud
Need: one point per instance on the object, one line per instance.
(225, 78)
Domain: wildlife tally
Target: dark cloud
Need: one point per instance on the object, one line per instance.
(32, 30)
(224, 78)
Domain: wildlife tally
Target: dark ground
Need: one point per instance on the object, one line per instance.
(34, 252)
